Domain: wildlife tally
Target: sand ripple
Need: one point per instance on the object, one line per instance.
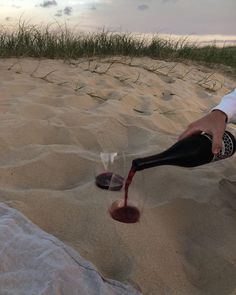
(54, 125)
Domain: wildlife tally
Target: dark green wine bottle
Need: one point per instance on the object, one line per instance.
(191, 151)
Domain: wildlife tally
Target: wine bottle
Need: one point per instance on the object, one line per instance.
(191, 151)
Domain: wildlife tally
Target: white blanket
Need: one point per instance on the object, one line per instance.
(33, 262)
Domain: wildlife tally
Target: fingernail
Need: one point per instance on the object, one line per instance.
(216, 151)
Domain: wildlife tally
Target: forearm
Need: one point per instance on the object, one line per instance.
(228, 106)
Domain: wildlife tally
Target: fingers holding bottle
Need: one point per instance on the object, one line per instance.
(214, 124)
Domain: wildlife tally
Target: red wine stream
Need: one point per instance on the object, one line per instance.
(192, 151)
(127, 184)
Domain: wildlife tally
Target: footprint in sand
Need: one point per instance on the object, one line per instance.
(167, 79)
(146, 107)
(203, 93)
(116, 95)
(167, 95)
(143, 111)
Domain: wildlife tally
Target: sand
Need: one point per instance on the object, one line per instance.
(57, 117)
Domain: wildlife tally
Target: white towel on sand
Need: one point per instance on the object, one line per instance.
(33, 262)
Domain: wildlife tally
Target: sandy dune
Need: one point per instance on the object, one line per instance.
(57, 117)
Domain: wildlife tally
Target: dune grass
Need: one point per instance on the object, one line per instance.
(34, 41)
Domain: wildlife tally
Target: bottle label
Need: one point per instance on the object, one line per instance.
(227, 149)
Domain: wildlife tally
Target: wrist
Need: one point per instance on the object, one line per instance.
(220, 115)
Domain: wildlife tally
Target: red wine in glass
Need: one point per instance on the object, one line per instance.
(125, 214)
(120, 210)
(109, 181)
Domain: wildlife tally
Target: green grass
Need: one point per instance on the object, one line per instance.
(33, 41)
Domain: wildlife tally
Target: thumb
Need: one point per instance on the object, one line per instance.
(217, 142)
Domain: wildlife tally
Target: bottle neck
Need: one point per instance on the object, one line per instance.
(151, 161)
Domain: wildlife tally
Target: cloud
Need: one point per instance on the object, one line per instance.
(93, 7)
(143, 7)
(15, 6)
(59, 13)
(67, 10)
(48, 3)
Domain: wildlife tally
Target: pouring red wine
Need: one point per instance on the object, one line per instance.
(191, 151)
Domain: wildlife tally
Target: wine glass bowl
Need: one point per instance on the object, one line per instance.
(124, 213)
(109, 181)
(110, 170)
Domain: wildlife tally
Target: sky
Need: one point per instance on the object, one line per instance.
(181, 17)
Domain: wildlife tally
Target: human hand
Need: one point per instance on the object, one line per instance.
(214, 124)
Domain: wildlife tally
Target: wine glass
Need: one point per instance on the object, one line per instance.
(126, 210)
(125, 213)
(110, 171)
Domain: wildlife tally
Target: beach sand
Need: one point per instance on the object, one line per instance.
(57, 117)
